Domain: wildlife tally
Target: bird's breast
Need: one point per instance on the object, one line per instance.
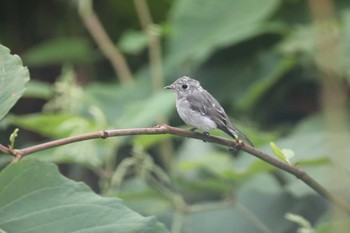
(194, 118)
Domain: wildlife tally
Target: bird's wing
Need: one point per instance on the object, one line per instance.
(207, 105)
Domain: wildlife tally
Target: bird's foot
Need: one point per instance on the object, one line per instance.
(202, 133)
(239, 144)
(206, 134)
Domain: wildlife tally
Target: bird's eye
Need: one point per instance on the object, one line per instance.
(184, 86)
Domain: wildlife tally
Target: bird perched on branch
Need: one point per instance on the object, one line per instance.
(198, 108)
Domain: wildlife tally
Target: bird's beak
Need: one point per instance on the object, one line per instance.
(169, 87)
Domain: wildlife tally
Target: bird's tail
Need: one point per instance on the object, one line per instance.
(234, 132)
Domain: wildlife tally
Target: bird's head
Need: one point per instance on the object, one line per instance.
(184, 86)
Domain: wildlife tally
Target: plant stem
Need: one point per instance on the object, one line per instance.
(112, 53)
(154, 44)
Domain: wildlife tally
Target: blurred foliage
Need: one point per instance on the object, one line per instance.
(259, 58)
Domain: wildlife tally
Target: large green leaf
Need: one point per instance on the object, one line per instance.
(34, 197)
(200, 27)
(13, 78)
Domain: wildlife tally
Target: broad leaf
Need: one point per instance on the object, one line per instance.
(200, 27)
(13, 78)
(58, 51)
(34, 197)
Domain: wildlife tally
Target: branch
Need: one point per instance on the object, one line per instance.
(105, 44)
(165, 129)
(4, 149)
(154, 44)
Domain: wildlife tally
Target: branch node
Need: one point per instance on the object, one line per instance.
(239, 144)
(162, 126)
(17, 154)
(104, 134)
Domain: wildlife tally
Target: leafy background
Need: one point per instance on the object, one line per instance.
(261, 61)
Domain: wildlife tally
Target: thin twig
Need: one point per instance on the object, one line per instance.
(103, 41)
(154, 44)
(156, 70)
(4, 149)
(165, 129)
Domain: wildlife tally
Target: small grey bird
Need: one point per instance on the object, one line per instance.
(198, 108)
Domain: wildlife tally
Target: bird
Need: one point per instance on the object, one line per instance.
(199, 109)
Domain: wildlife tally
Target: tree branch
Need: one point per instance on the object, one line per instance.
(4, 149)
(103, 41)
(165, 129)
(154, 44)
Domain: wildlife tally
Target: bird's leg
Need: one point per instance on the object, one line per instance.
(206, 133)
(203, 133)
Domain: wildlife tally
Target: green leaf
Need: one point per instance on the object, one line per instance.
(34, 197)
(278, 152)
(201, 27)
(147, 141)
(288, 153)
(147, 111)
(196, 157)
(58, 51)
(13, 138)
(52, 125)
(139, 196)
(113, 99)
(222, 161)
(38, 89)
(90, 153)
(13, 78)
(270, 69)
(334, 226)
(312, 141)
(259, 206)
(133, 42)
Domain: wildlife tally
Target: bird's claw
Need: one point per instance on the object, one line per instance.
(205, 134)
(239, 144)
